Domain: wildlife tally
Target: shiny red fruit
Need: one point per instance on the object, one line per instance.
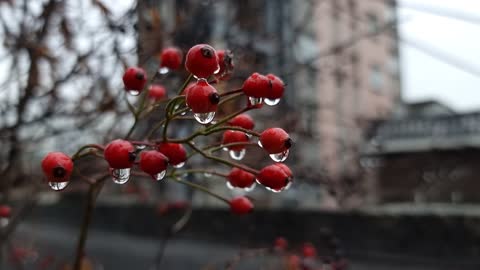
(275, 140)
(202, 61)
(233, 136)
(225, 60)
(273, 177)
(308, 250)
(120, 154)
(202, 97)
(243, 120)
(277, 87)
(153, 162)
(57, 167)
(135, 79)
(241, 205)
(281, 243)
(175, 152)
(240, 178)
(171, 58)
(5, 211)
(157, 92)
(285, 169)
(256, 86)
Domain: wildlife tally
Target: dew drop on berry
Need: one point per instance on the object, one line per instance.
(207, 174)
(274, 190)
(217, 70)
(258, 182)
(133, 92)
(237, 155)
(248, 135)
(272, 102)
(255, 101)
(57, 186)
(183, 113)
(280, 157)
(163, 70)
(288, 185)
(250, 188)
(4, 221)
(120, 176)
(204, 118)
(225, 149)
(159, 176)
(140, 146)
(229, 186)
(179, 165)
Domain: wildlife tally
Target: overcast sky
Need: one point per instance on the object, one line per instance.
(425, 77)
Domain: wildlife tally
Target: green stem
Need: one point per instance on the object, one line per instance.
(201, 188)
(80, 150)
(185, 83)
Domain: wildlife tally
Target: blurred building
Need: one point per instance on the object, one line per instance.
(428, 153)
(338, 57)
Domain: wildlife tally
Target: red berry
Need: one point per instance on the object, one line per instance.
(240, 178)
(171, 58)
(135, 79)
(225, 60)
(202, 61)
(243, 120)
(277, 87)
(234, 136)
(175, 152)
(308, 250)
(275, 140)
(281, 243)
(57, 167)
(153, 162)
(241, 205)
(120, 154)
(273, 177)
(256, 86)
(187, 88)
(157, 92)
(5, 211)
(202, 97)
(285, 169)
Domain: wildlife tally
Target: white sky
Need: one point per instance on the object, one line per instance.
(425, 77)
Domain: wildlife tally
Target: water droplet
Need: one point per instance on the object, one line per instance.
(204, 118)
(280, 157)
(163, 70)
(133, 92)
(4, 222)
(274, 190)
(183, 113)
(255, 101)
(272, 102)
(120, 176)
(229, 186)
(179, 165)
(260, 143)
(237, 155)
(225, 149)
(258, 182)
(159, 176)
(207, 174)
(250, 188)
(140, 146)
(248, 135)
(288, 185)
(58, 185)
(217, 70)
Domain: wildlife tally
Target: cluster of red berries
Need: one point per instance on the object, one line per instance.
(204, 63)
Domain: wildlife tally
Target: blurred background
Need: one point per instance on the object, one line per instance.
(381, 102)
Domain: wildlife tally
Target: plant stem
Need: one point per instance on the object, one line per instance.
(201, 188)
(185, 83)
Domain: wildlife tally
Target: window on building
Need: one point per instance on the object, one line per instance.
(376, 78)
(373, 22)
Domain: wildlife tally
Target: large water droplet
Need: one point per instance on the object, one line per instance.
(163, 70)
(250, 188)
(258, 182)
(58, 185)
(229, 186)
(159, 176)
(207, 174)
(259, 143)
(255, 101)
(272, 102)
(217, 70)
(280, 157)
(274, 190)
(237, 155)
(140, 146)
(133, 92)
(288, 185)
(4, 221)
(179, 165)
(120, 176)
(204, 118)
